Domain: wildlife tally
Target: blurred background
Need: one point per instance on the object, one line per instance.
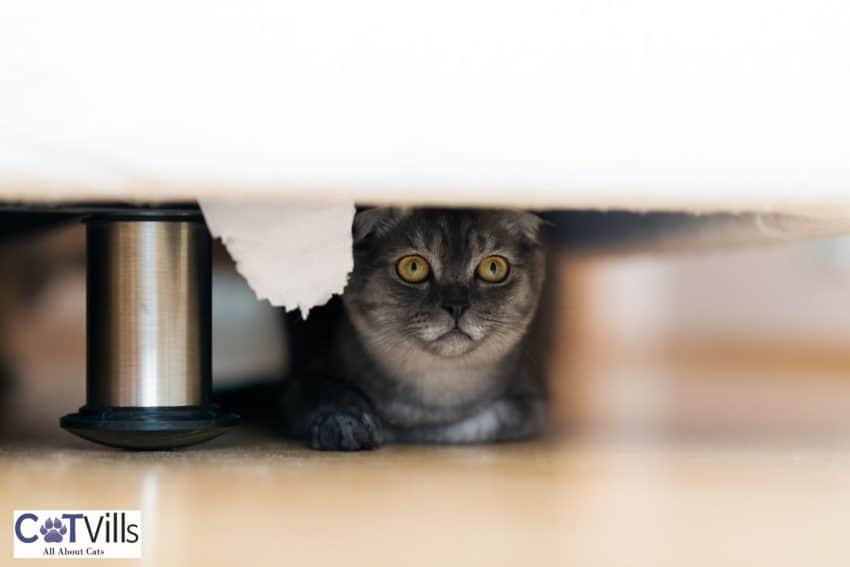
(731, 345)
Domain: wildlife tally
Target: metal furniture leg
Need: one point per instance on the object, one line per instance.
(149, 334)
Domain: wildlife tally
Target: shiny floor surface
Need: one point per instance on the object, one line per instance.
(255, 501)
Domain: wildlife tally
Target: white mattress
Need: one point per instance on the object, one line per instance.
(659, 104)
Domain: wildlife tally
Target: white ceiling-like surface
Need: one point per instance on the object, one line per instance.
(729, 104)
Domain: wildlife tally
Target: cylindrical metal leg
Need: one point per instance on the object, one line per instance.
(148, 313)
(149, 335)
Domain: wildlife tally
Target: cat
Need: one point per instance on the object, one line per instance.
(439, 336)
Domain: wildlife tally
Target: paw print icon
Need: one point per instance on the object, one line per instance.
(53, 530)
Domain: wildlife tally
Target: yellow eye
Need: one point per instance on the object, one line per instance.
(413, 269)
(493, 269)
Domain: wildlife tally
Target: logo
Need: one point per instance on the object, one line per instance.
(53, 530)
(77, 534)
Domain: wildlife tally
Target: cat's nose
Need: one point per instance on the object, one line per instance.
(455, 309)
(456, 301)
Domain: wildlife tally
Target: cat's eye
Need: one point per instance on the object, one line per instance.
(493, 269)
(413, 269)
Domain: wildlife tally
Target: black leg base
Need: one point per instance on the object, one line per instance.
(149, 428)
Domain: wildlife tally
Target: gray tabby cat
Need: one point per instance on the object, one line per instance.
(438, 339)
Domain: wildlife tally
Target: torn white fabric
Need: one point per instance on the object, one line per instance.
(294, 256)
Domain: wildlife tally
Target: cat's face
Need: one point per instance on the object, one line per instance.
(449, 283)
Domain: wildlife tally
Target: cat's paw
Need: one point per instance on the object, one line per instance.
(344, 430)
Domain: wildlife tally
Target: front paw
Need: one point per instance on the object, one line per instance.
(345, 430)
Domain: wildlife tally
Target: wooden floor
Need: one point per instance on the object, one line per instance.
(245, 500)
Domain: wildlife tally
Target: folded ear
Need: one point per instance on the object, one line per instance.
(376, 221)
(526, 224)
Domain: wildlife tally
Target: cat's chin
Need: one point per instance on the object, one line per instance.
(452, 344)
